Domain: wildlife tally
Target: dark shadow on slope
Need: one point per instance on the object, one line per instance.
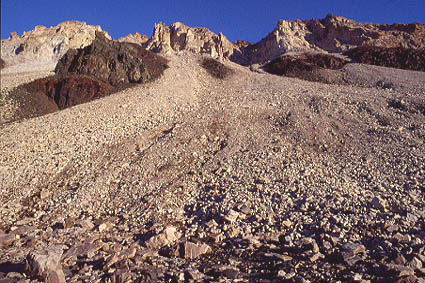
(308, 66)
(216, 69)
(398, 57)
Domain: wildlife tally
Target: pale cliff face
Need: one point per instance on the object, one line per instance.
(179, 37)
(331, 34)
(47, 45)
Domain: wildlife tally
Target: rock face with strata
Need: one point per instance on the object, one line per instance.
(47, 45)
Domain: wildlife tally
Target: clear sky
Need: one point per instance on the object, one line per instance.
(237, 19)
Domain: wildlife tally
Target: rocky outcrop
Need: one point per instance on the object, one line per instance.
(179, 37)
(85, 74)
(136, 38)
(47, 45)
(68, 90)
(117, 63)
(332, 34)
(396, 57)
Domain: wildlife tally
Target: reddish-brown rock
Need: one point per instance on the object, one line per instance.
(69, 90)
(2, 64)
(118, 63)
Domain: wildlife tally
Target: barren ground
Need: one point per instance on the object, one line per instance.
(304, 180)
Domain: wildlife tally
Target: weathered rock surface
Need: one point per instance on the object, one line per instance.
(117, 63)
(46, 265)
(6, 239)
(179, 37)
(47, 45)
(332, 34)
(192, 250)
(166, 237)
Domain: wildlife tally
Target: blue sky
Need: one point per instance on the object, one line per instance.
(247, 20)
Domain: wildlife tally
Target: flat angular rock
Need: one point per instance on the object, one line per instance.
(166, 237)
(354, 248)
(192, 250)
(400, 270)
(194, 274)
(379, 203)
(45, 265)
(81, 250)
(6, 239)
(231, 216)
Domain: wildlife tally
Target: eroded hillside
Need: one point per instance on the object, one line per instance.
(219, 172)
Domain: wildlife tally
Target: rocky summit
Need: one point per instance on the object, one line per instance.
(187, 157)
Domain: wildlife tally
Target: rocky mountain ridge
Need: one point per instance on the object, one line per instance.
(47, 45)
(332, 34)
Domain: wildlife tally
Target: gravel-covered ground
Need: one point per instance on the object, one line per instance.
(250, 178)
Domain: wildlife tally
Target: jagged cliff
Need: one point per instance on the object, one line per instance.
(179, 37)
(331, 34)
(47, 45)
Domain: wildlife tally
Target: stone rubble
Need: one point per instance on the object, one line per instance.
(253, 177)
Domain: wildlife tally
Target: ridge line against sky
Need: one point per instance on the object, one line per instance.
(246, 20)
